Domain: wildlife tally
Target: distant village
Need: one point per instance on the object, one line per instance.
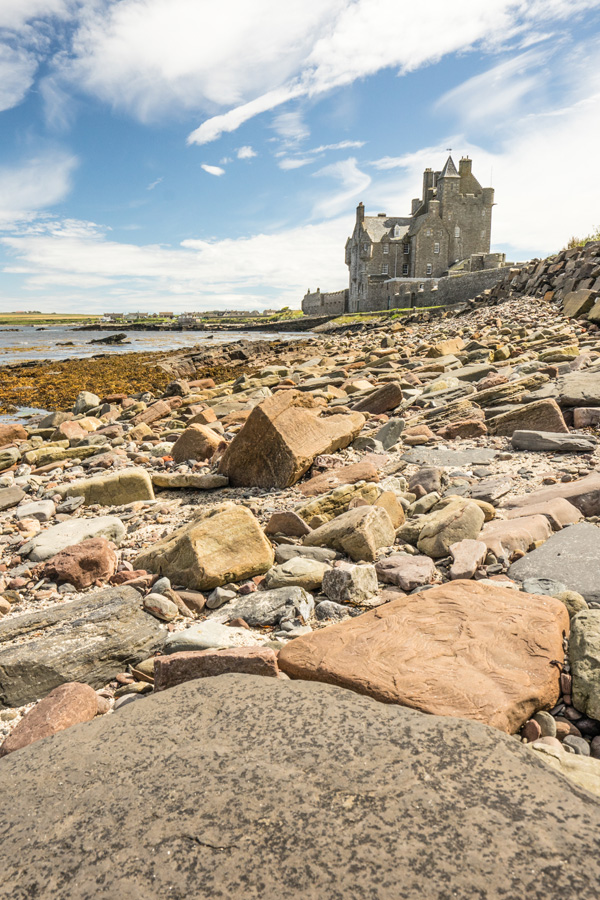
(186, 319)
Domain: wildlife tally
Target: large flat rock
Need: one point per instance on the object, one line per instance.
(579, 389)
(241, 786)
(571, 556)
(462, 649)
(450, 459)
(90, 639)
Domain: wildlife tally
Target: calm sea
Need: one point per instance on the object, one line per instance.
(34, 342)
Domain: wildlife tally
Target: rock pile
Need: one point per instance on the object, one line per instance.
(408, 510)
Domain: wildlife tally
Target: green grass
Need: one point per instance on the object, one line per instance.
(44, 319)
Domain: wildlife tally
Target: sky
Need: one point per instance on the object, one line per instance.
(182, 155)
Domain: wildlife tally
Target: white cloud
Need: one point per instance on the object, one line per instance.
(17, 70)
(291, 127)
(246, 153)
(289, 163)
(14, 14)
(37, 184)
(365, 36)
(213, 170)
(352, 180)
(271, 269)
(155, 183)
(341, 145)
(497, 93)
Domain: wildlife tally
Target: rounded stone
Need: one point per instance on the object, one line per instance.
(546, 722)
(578, 744)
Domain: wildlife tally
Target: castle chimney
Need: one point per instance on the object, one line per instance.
(427, 182)
(464, 166)
(360, 212)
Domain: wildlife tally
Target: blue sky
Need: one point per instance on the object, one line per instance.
(186, 155)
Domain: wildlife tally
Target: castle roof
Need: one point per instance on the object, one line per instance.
(378, 226)
(449, 169)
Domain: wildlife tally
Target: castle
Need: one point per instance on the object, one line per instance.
(401, 261)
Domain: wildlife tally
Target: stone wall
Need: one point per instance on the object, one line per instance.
(404, 293)
(333, 303)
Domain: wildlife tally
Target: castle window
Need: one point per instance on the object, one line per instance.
(436, 247)
(406, 249)
(429, 269)
(366, 248)
(428, 232)
(396, 231)
(384, 269)
(457, 232)
(386, 248)
(405, 269)
(483, 234)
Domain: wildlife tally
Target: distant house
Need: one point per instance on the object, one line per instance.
(166, 315)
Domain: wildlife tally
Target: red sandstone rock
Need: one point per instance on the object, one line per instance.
(288, 523)
(463, 428)
(188, 665)
(320, 484)
(196, 442)
(515, 536)
(405, 571)
(541, 415)
(153, 413)
(69, 704)
(82, 564)
(583, 493)
(459, 649)
(383, 399)
(10, 433)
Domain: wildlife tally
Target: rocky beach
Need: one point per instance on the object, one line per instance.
(311, 618)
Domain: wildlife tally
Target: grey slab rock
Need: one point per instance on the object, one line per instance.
(10, 497)
(544, 586)
(42, 510)
(362, 800)
(584, 656)
(210, 635)
(390, 433)
(571, 556)
(579, 389)
(50, 542)
(269, 607)
(289, 551)
(90, 639)
(433, 456)
(553, 443)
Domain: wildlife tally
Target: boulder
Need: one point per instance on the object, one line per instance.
(358, 533)
(176, 480)
(584, 657)
(81, 565)
(449, 459)
(586, 417)
(268, 607)
(547, 442)
(387, 397)
(58, 537)
(224, 544)
(467, 556)
(389, 501)
(196, 442)
(559, 512)
(457, 521)
(169, 671)
(153, 413)
(457, 784)
(406, 571)
(580, 770)
(507, 538)
(288, 523)
(161, 607)
(116, 489)
(280, 439)
(85, 401)
(10, 497)
(584, 494)
(347, 583)
(210, 635)
(9, 457)
(67, 705)
(42, 510)
(578, 303)
(11, 432)
(571, 556)
(541, 414)
(320, 484)
(303, 572)
(459, 649)
(390, 433)
(90, 639)
(327, 506)
(579, 389)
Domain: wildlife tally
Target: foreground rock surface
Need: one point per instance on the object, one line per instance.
(450, 783)
(461, 649)
(89, 640)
